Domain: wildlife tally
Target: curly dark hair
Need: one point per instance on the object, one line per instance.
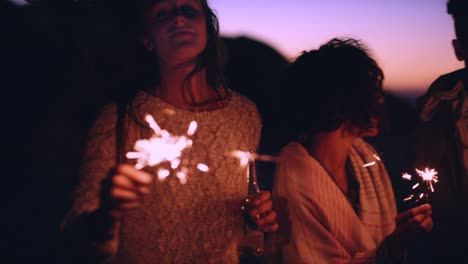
(325, 87)
(459, 11)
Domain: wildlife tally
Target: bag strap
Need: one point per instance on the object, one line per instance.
(120, 133)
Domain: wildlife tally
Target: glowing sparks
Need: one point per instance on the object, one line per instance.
(248, 158)
(163, 147)
(266, 158)
(427, 177)
(152, 123)
(163, 174)
(406, 176)
(202, 167)
(182, 175)
(411, 196)
(372, 163)
(369, 164)
(192, 128)
(175, 163)
(244, 157)
(376, 157)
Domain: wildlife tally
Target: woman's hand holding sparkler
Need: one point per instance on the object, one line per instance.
(261, 211)
(410, 225)
(127, 187)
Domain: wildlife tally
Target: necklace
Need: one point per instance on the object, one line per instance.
(214, 103)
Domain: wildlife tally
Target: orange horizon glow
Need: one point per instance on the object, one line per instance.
(411, 40)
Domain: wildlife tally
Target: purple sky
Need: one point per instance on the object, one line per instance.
(410, 39)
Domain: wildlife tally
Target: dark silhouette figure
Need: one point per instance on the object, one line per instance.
(440, 141)
(253, 69)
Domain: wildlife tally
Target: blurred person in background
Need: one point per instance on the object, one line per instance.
(440, 141)
(336, 201)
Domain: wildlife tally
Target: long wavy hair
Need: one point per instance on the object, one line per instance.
(211, 59)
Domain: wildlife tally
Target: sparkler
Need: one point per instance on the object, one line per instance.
(248, 159)
(369, 164)
(163, 147)
(424, 183)
(372, 163)
(248, 156)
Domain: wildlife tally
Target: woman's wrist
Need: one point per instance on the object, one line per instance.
(105, 224)
(393, 248)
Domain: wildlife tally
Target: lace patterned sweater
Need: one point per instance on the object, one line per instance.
(177, 223)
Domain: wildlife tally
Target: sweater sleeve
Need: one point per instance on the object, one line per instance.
(254, 123)
(257, 127)
(89, 233)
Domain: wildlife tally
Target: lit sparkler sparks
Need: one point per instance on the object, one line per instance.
(248, 158)
(372, 163)
(426, 178)
(162, 147)
(429, 176)
(407, 176)
(369, 164)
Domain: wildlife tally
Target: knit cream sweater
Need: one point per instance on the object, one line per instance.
(178, 223)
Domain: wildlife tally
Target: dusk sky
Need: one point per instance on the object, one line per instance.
(410, 39)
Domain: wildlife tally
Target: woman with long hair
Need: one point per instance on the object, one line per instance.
(124, 215)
